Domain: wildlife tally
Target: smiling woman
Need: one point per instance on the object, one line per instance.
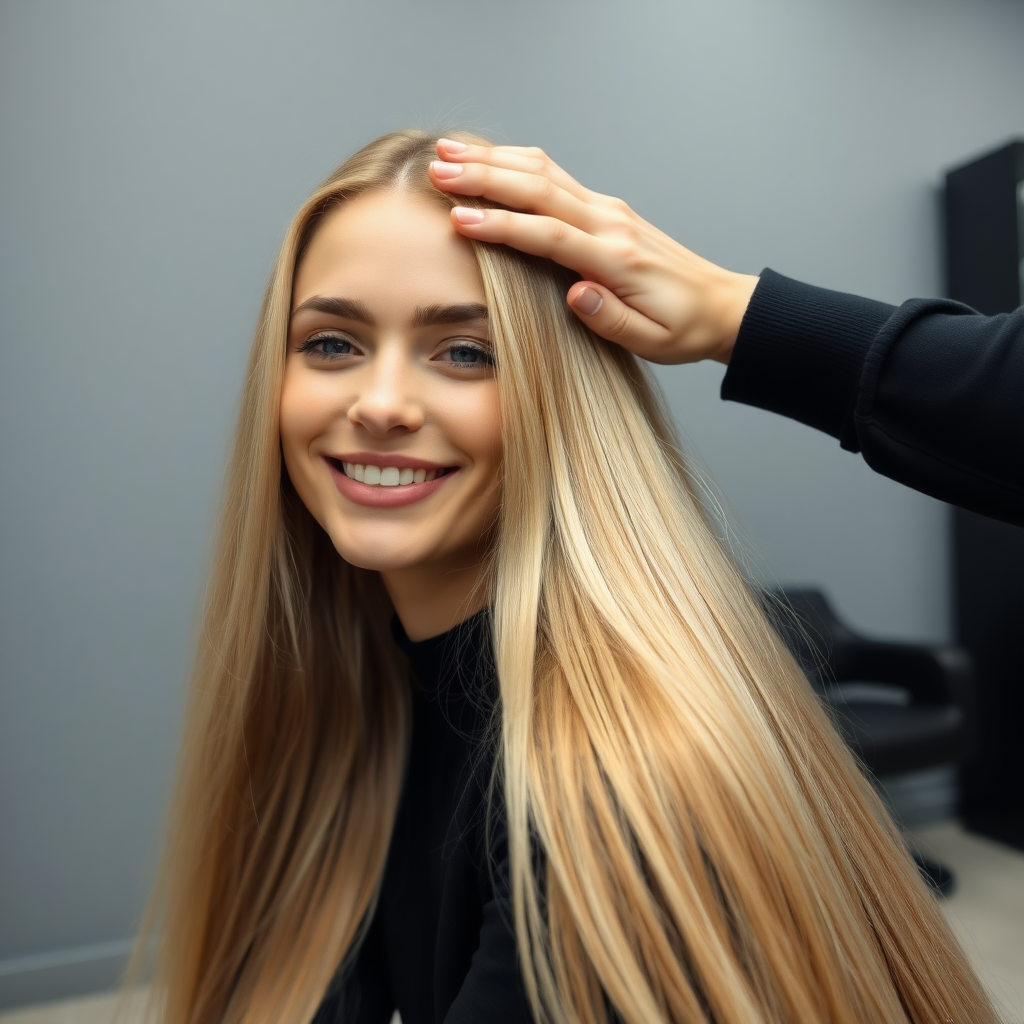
(389, 399)
(485, 726)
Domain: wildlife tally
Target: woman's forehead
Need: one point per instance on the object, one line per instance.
(384, 246)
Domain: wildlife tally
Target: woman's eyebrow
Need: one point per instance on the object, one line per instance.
(425, 316)
(347, 309)
(459, 313)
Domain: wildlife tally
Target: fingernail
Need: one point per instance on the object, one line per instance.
(467, 215)
(452, 146)
(587, 302)
(443, 170)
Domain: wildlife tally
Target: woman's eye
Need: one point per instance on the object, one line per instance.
(328, 346)
(465, 354)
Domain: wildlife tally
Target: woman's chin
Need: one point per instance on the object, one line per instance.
(380, 557)
(375, 562)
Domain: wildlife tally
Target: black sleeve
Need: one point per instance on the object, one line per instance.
(930, 392)
(363, 992)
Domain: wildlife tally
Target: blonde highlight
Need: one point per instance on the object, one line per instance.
(708, 848)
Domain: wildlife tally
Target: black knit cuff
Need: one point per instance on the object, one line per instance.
(800, 351)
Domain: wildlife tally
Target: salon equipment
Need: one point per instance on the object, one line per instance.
(984, 207)
(901, 707)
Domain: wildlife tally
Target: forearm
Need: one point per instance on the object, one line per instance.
(929, 392)
(800, 351)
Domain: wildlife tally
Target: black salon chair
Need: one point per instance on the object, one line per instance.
(901, 707)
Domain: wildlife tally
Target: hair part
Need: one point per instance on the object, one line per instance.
(710, 849)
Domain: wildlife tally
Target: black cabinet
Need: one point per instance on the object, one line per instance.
(984, 203)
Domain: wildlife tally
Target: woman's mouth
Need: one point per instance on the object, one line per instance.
(389, 476)
(367, 483)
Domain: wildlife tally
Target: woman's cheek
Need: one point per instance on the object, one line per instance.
(303, 418)
(309, 405)
(475, 421)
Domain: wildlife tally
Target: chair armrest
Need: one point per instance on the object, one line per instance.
(932, 674)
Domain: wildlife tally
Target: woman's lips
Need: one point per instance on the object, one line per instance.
(376, 496)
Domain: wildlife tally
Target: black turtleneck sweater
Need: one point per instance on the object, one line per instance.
(441, 945)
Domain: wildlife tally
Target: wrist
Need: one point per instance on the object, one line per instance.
(732, 296)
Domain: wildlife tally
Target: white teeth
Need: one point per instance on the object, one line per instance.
(388, 476)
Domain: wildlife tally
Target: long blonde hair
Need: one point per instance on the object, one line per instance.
(710, 850)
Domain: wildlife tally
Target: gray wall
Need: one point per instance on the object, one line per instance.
(152, 156)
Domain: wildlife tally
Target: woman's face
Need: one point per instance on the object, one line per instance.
(389, 412)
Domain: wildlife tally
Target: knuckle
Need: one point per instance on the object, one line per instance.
(539, 162)
(626, 227)
(618, 210)
(619, 236)
(559, 231)
(628, 256)
(544, 188)
(631, 236)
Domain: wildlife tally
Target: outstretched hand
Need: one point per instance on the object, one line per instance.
(640, 288)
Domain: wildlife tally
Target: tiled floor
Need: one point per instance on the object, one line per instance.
(987, 909)
(987, 912)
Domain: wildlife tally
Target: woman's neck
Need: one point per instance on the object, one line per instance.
(431, 599)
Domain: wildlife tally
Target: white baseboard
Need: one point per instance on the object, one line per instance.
(63, 974)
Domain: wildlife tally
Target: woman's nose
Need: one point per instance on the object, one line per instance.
(386, 402)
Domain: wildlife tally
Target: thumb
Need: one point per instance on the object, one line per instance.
(610, 318)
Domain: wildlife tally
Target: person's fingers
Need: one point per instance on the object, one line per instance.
(534, 193)
(539, 236)
(641, 288)
(611, 318)
(596, 305)
(529, 160)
